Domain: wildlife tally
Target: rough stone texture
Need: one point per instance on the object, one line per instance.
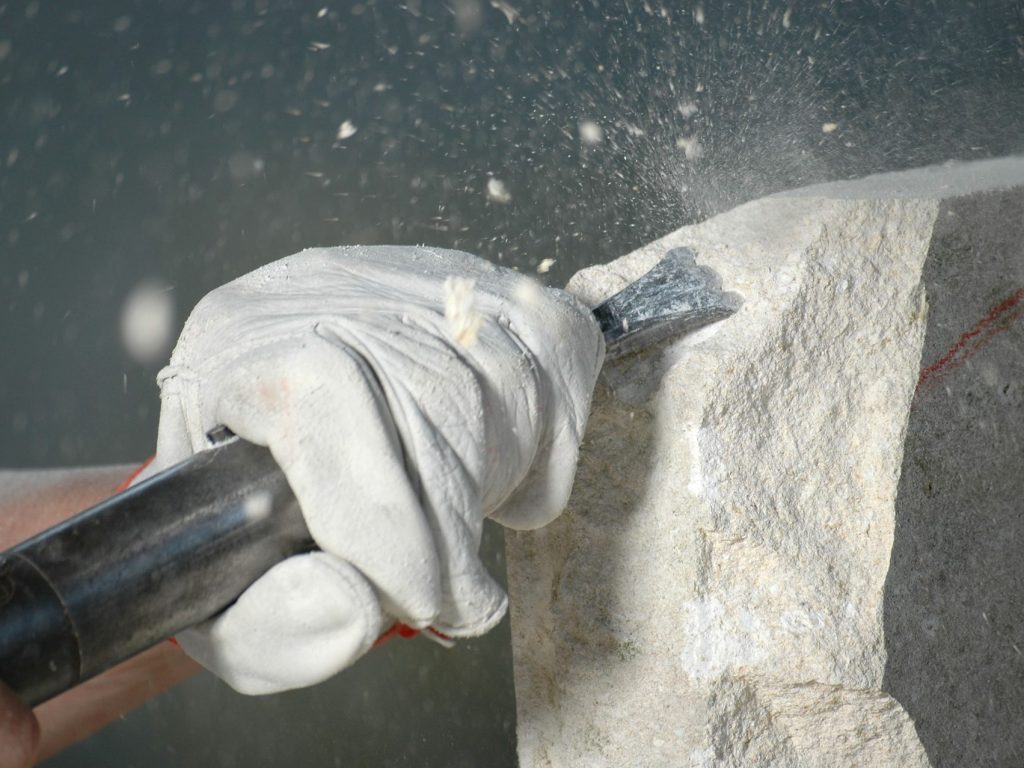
(719, 592)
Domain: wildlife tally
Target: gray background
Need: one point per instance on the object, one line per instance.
(191, 141)
(954, 594)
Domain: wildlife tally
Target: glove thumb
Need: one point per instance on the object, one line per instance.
(299, 624)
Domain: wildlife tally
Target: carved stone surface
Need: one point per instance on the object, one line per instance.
(719, 592)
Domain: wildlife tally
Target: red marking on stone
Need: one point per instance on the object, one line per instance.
(999, 319)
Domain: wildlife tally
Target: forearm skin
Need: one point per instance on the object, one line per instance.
(30, 502)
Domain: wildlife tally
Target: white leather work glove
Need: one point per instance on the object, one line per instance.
(404, 408)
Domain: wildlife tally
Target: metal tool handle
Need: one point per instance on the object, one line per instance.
(138, 568)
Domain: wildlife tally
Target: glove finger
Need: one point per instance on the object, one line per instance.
(318, 408)
(570, 368)
(299, 624)
(545, 492)
(448, 461)
(472, 601)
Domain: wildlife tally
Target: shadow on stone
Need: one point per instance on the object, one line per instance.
(954, 595)
(567, 613)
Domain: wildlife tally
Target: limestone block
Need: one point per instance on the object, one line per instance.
(716, 594)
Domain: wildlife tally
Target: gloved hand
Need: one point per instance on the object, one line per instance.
(404, 407)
